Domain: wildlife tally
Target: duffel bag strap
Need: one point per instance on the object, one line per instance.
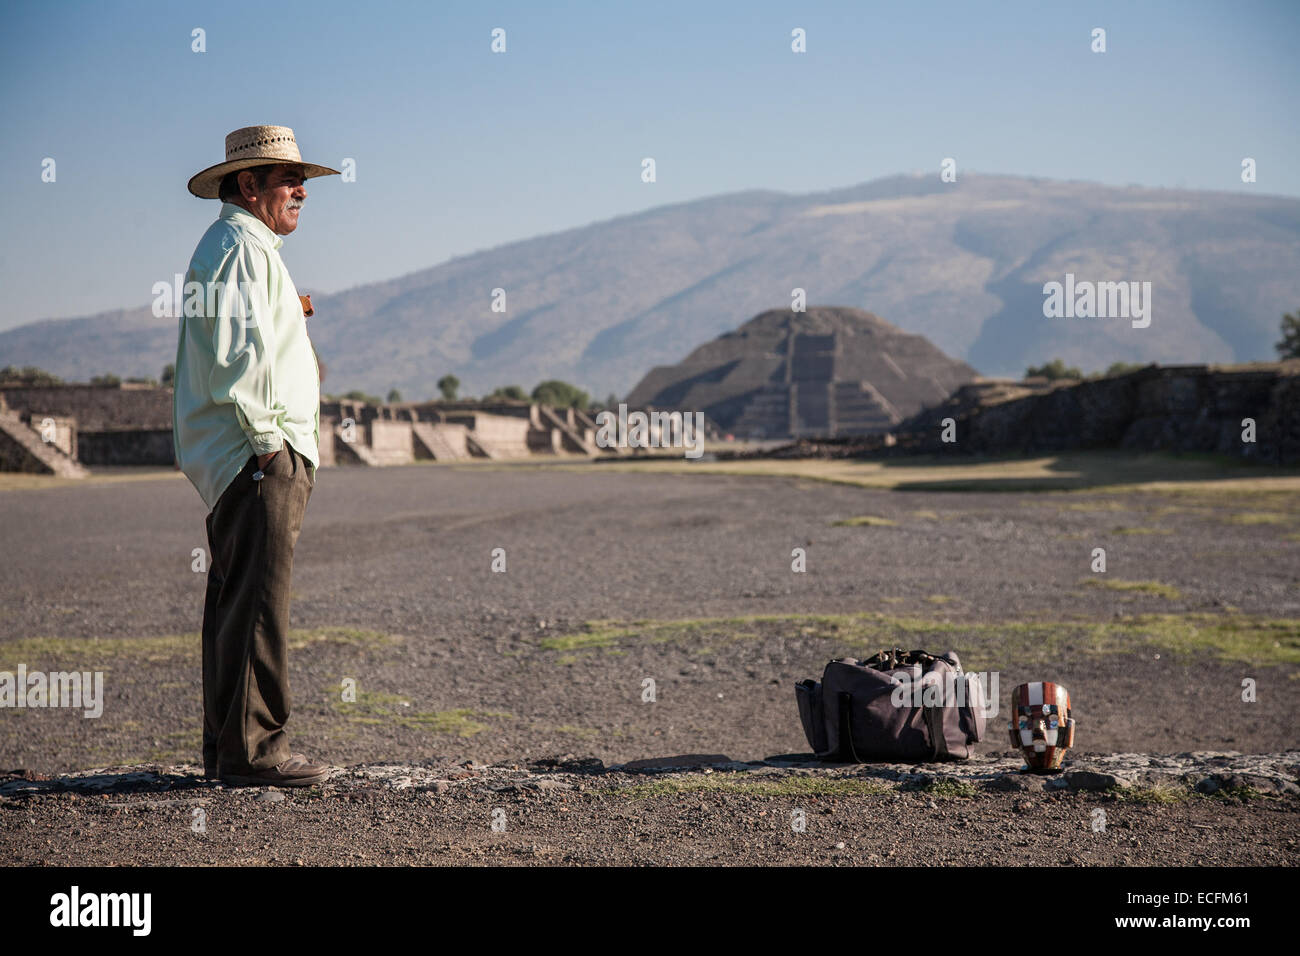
(938, 740)
(846, 726)
(976, 706)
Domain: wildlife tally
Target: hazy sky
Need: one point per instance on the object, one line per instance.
(458, 149)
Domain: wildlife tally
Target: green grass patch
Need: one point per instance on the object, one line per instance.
(1144, 587)
(1148, 796)
(1030, 640)
(383, 709)
(701, 633)
(1238, 794)
(1140, 531)
(184, 745)
(579, 641)
(1096, 472)
(460, 722)
(586, 733)
(1259, 517)
(94, 652)
(1278, 495)
(1227, 636)
(869, 521)
(949, 789)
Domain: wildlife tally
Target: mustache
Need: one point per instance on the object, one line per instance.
(295, 204)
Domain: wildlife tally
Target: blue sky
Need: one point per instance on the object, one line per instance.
(458, 149)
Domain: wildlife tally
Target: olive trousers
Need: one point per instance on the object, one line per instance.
(252, 532)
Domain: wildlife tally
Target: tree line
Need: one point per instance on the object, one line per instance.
(1288, 347)
(553, 392)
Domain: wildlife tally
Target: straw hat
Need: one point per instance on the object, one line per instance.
(254, 146)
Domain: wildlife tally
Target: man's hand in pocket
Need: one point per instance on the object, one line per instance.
(263, 460)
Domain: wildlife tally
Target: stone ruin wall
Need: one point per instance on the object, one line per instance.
(100, 424)
(95, 407)
(1190, 408)
(132, 425)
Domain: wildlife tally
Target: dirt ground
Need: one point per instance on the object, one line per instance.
(618, 583)
(780, 812)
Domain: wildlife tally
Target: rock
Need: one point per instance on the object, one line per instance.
(568, 764)
(678, 762)
(270, 796)
(1017, 783)
(1211, 784)
(1227, 781)
(796, 760)
(1093, 780)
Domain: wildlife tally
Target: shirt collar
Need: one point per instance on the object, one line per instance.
(246, 219)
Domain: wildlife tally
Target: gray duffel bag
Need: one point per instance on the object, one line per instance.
(896, 706)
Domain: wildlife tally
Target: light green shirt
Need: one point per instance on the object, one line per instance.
(246, 375)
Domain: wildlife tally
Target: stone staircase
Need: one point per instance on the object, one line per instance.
(434, 443)
(351, 452)
(810, 370)
(810, 405)
(486, 448)
(573, 440)
(21, 449)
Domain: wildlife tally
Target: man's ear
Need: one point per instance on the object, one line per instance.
(247, 184)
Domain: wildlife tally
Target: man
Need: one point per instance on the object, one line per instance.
(246, 428)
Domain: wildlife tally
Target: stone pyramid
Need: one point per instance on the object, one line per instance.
(828, 371)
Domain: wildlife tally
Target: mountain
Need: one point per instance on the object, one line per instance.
(962, 264)
(824, 372)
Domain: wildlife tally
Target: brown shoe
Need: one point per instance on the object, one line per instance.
(297, 771)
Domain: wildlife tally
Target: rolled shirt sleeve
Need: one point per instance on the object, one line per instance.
(243, 330)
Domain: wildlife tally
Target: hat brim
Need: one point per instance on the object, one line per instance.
(206, 184)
